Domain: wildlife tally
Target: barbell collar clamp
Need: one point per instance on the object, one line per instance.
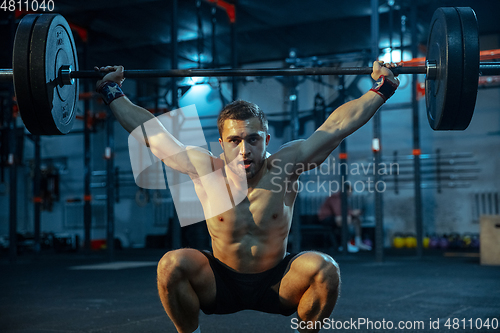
(431, 66)
(65, 75)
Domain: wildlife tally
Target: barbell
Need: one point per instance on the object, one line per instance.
(45, 71)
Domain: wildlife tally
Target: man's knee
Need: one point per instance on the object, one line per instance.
(174, 266)
(325, 270)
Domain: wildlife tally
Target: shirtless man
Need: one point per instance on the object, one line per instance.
(249, 267)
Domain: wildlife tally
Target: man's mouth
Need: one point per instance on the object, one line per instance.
(246, 164)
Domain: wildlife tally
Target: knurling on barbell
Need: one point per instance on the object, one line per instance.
(45, 71)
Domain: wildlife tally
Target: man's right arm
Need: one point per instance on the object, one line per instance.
(129, 115)
(152, 133)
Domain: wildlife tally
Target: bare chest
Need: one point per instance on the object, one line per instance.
(259, 209)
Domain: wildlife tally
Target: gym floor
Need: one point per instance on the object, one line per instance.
(84, 293)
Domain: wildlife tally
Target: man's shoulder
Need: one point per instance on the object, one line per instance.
(203, 160)
(291, 144)
(287, 152)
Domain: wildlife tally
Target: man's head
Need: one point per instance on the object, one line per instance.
(243, 130)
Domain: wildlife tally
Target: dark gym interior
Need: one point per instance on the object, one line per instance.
(81, 233)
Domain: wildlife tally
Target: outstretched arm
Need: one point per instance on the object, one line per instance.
(342, 122)
(162, 144)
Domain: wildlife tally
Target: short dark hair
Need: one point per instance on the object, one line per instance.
(241, 110)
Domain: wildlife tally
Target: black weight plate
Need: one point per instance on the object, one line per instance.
(20, 66)
(445, 46)
(52, 45)
(470, 77)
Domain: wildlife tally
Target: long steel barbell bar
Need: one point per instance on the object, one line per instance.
(250, 72)
(485, 68)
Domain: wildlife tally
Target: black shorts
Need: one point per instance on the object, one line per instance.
(238, 291)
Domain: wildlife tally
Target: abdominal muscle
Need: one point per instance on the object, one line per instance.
(250, 243)
(249, 254)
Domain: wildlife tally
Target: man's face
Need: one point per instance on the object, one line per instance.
(245, 142)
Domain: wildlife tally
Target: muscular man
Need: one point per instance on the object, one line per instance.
(249, 267)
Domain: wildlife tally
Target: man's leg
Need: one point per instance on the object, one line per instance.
(312, 284)
(185, 281)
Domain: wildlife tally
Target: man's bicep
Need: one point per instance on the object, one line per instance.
(162, 144)
(179, 162)
(194, 161)
(314, 151)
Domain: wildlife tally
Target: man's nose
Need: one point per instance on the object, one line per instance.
(244, 148)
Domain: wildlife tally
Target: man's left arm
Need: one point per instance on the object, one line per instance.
(346, 119)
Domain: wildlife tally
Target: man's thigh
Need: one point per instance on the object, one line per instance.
(195, 267)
